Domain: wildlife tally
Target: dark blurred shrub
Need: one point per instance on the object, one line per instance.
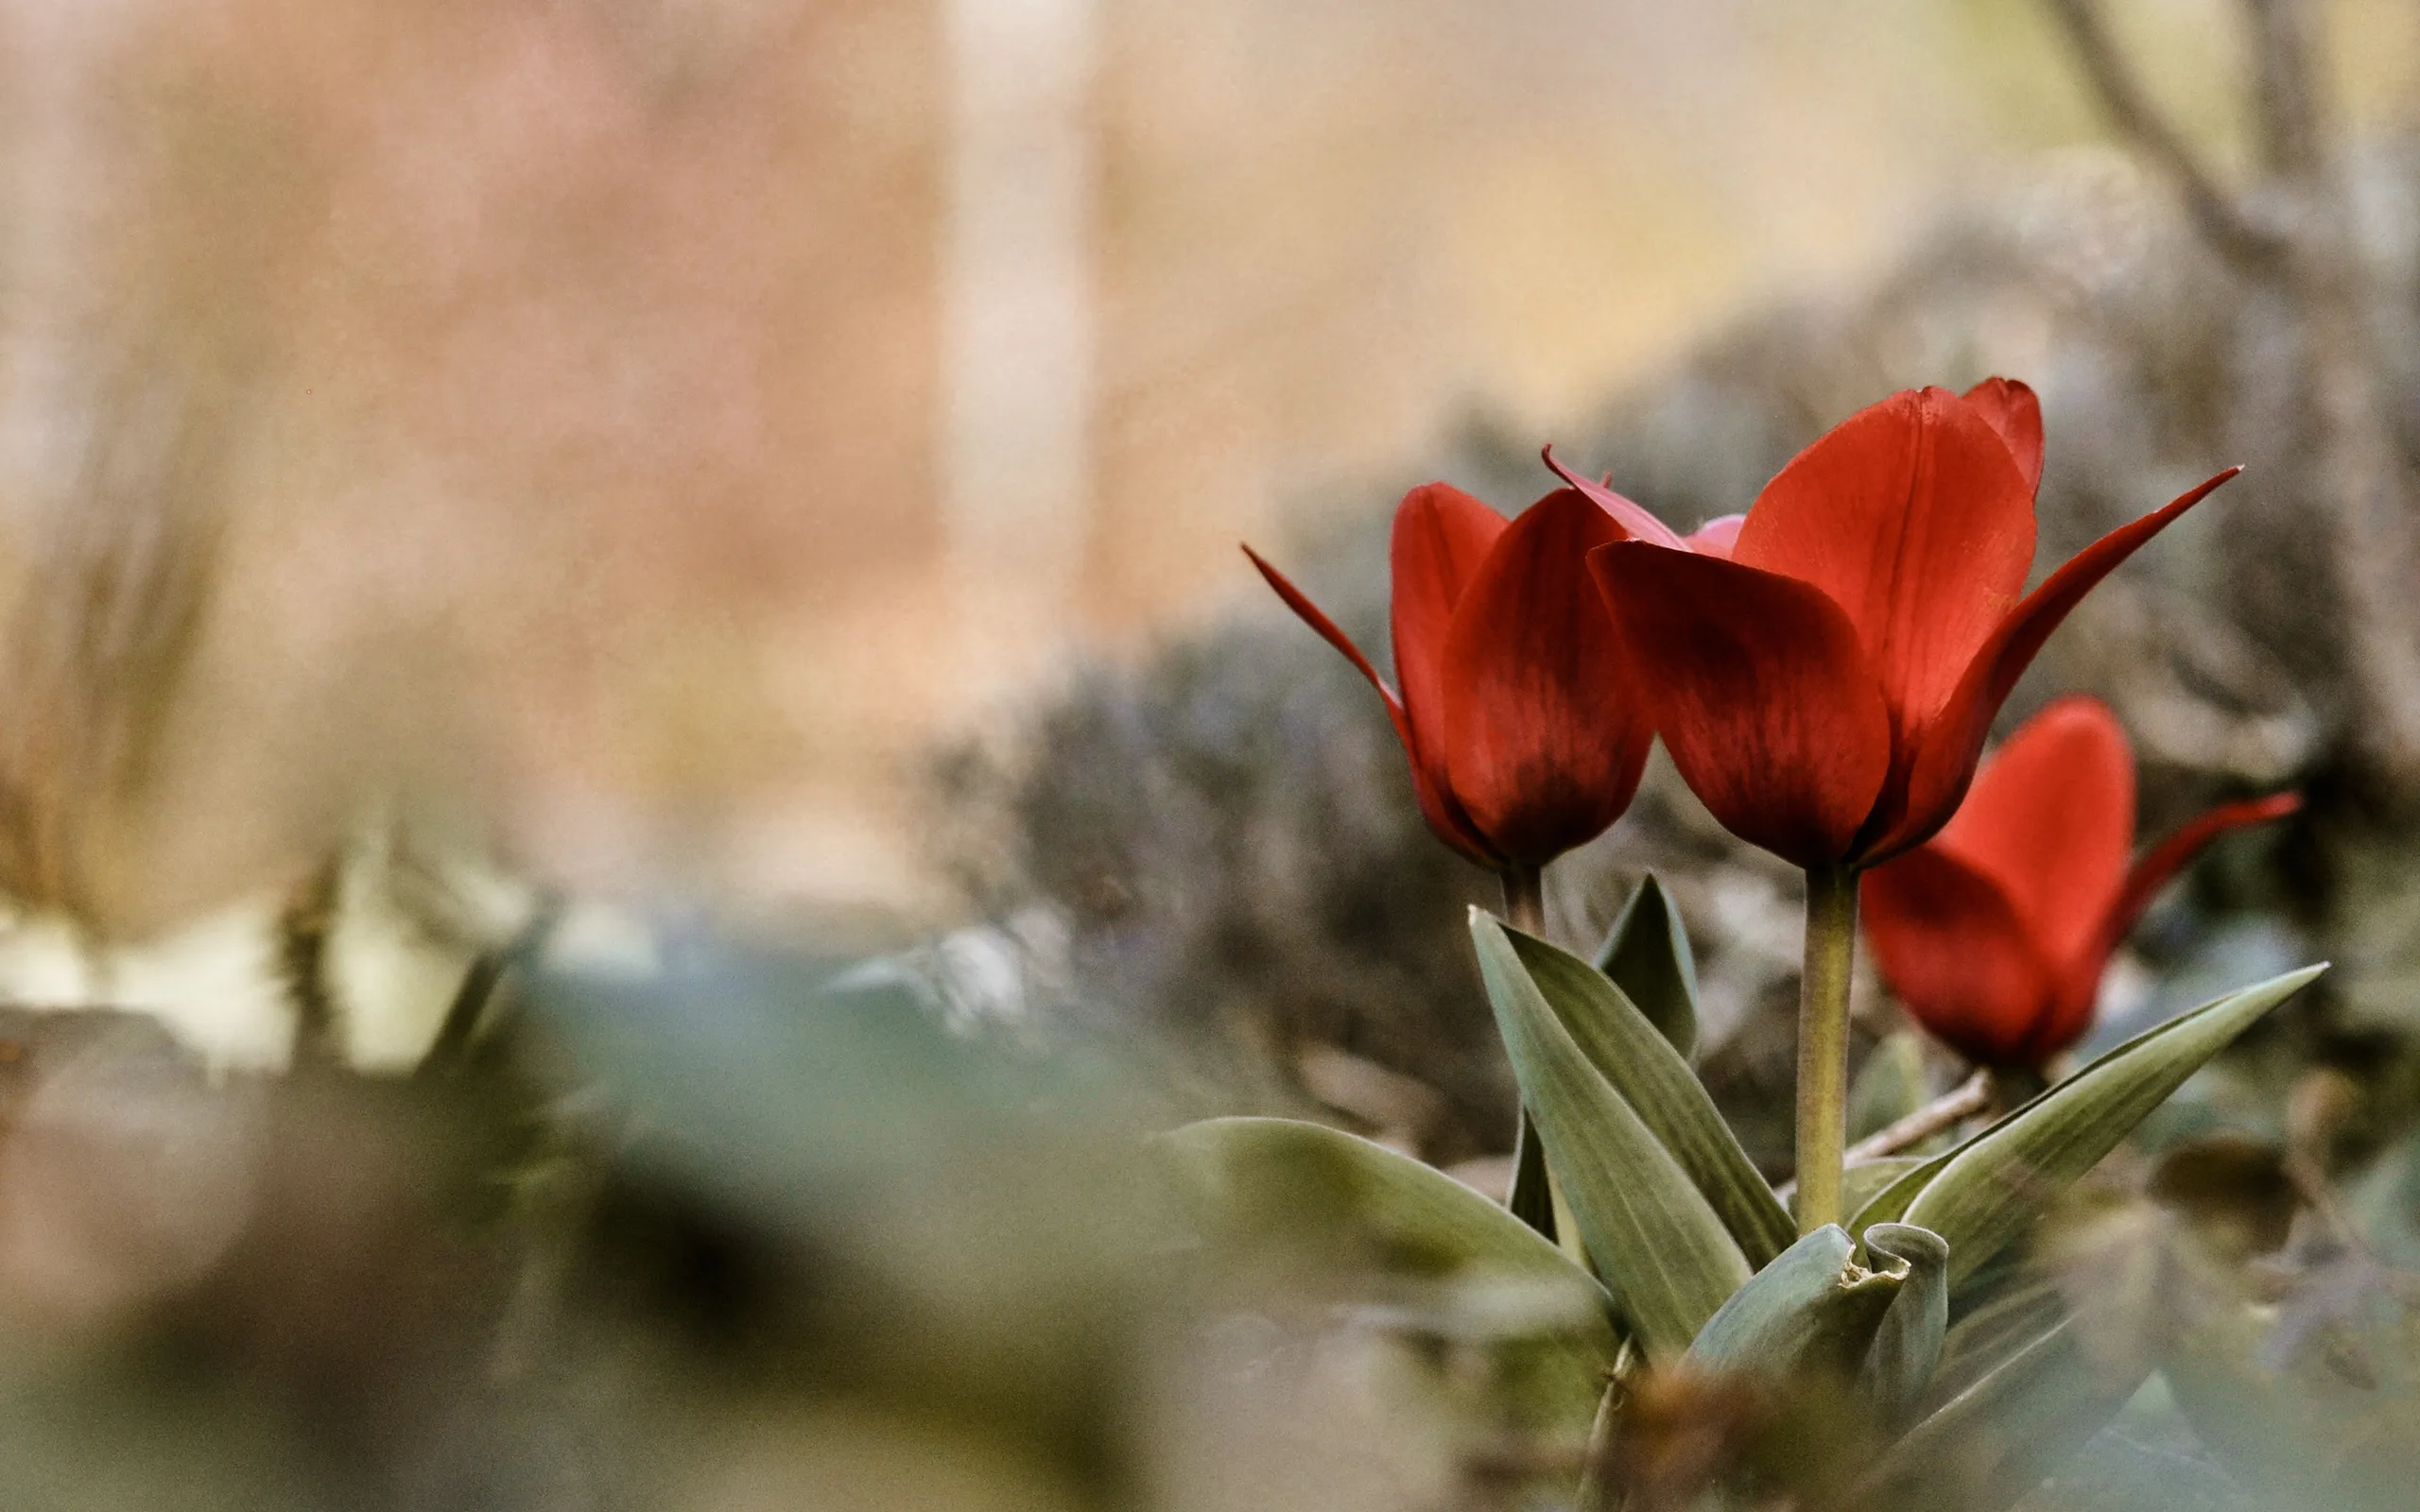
(1226, 831)
(1227, 836)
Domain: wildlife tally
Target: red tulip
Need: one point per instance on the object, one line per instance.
(1826, 687)
(1515, 713)
(1995, 933)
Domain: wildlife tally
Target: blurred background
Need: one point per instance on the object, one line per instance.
(665, 421)
(623, 616)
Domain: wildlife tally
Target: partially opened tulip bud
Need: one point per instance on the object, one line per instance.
(1996, 933)
(1514, 707)
(1825, 685)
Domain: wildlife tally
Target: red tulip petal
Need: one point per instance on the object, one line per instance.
(1311, 614)
(2051, 820)
(1948, 941)
(1442, 535)
(1943, 760)
(1543, 737)
(1716, 537)
(1634, 517)
(1757, 684)
(2162, 861)
(2009, 407)
(1911, 514)
(2079, 983)
(1437, 805)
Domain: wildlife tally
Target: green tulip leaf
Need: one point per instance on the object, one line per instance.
(1906, 1345)
(1813, 1309)
(1530, 1199)
(1899, 1193)
(1991, 1189)
(1647, 954)
(1642, 1066)
(1660, 1246)
(1865, 1180)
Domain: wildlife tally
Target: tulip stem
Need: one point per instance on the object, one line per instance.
(1537, 1200)
(1525, 898)
(1823, 1044)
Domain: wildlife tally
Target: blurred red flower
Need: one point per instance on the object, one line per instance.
(1825, 685)
(1995, 933)
(1515, 710)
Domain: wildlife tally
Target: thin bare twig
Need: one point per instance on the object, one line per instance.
(2216, 212)
(1970, 1097)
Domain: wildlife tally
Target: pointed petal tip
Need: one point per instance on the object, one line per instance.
(1555, 464)
(1635, 519)
(1270, 573)
(1327, 629)
(1944, 769)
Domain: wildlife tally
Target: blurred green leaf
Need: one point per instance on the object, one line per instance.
(1812, 1309)
(1647, 954)
(1888, 1087)
(2384, 1203)
(2114, 1470)
(1440, 1261)
(1995, 1441)
(1991, 1188)
(1258, 1179)
(1907, 1344)
(1661, 1247)
(1990, 1334)
(2314, 1402)
(1653, 1078)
